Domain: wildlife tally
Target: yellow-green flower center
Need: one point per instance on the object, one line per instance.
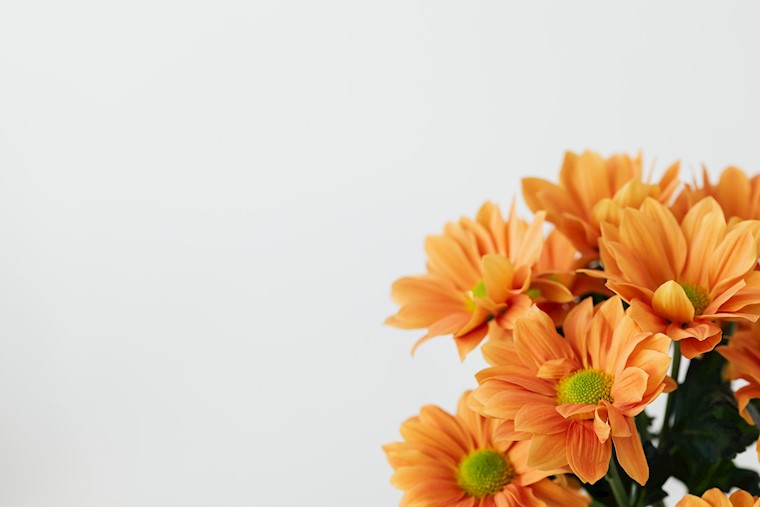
(484, 472)
(698, 296)
(479, 291)
(585, 386)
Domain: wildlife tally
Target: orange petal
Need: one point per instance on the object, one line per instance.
(552, 291)
(555, 369)
(735, 256)
(671, 302)
(645, 317)
(532, 189)
(716, 498)
(548, 451)
(588, 458)
(537, 341)
(692, 347)
(692, 501)
(552, 493)
(446, 257)
(741, 499)
(541, 419)
(630, 454)
(618, 422)
(497, 276)
(448, 325)
(629, 388)
(466, 343)
(601, 428)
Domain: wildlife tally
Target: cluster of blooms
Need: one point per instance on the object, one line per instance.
(578, 327)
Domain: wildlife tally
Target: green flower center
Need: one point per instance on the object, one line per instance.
(698, 296)
(585, 386)
(484, 472)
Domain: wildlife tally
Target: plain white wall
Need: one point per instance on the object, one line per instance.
(203, 205)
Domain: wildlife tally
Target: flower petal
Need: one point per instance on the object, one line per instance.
(589, 459)
(628, 390)
(671, 302)
(548, 451)
(630, 454)
(497, 276)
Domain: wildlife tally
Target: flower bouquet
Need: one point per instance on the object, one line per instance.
(583, 329)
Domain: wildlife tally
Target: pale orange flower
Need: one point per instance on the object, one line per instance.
(716, 498)
(593, 190)
(573, 397)
(743, 355)
(455, 461)
(560, 261)
(480, 279)
(737, 194)
(680, 277)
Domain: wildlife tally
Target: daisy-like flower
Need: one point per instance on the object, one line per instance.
(680, 277)
(454, 461)
(743, 355)
(737, 194)
(716, 498)
(593, 190)
(573, 397)
(480, 279)
(560, 261)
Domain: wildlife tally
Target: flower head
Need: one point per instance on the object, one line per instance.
(480, 279)
(572, 397)
(743, 355)
(679, 277)
(716, 498)
(559, 262)
(455, 461)
(593, 190)
(735, 192)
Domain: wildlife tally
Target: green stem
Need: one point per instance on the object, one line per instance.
(754, 414)
(616, 484)
(676, 366)
(659, 503)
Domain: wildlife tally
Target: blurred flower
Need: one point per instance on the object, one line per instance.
(559, 261)
(572, 397)
(480, 280)
(737, 194)
(680, 277)
(454, 461)
(593, 190)
(743, 355)
(716, 498)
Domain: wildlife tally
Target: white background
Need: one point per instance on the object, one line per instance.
(203, 206)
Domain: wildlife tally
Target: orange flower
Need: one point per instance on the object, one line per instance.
(480, 277)
(454, 461)
(573, 397)
(680, 277)
(716, 498)
(737, 194)
(559, 261)
(593, 190)
(743, 355)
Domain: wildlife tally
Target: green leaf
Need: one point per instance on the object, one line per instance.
(707, 433)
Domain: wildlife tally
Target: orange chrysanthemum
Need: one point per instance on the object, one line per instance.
(716, 498)
(593, 190)
(573, 397)
(737, 194)
(455, 461)
(480, 279)
(559, 261)
(743, 355)
(680, 277)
